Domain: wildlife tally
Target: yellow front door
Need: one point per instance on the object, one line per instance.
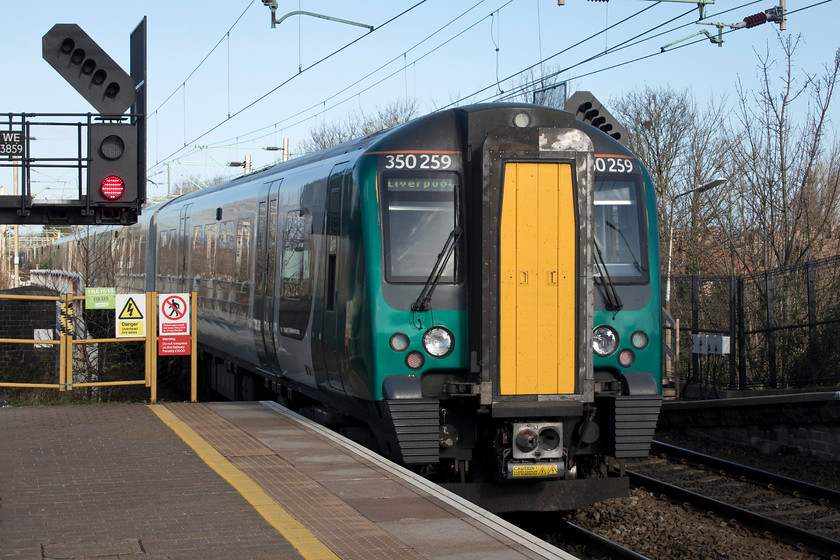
(537, 272)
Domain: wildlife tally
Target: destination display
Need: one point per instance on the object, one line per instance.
(417, 184)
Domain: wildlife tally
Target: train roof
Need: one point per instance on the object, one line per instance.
(490, 115)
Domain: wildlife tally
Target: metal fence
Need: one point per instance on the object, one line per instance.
(783, 326)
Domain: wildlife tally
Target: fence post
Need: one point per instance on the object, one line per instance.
(771, 331)
(733, 301)
(813, 368)
(742, 350)
(695, 325)
(62, 347)
(68, 328)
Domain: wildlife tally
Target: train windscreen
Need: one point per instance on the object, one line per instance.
(419, 213)
(620, 229)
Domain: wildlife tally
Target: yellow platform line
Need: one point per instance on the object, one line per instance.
(297, 534)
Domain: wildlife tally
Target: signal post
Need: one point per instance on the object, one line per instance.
(111, 172)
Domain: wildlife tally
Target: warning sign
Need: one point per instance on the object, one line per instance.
(174, 345)
(131, 315)
(534, 470)
(173, 314)
(130, 311)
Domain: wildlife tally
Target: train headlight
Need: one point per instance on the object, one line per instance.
(438, 342)
(604, 340)
(639, 340)
(399, 342)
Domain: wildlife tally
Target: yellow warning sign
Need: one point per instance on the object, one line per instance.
(538, 470)
(131, 317)
(130, 329)
(130, 311)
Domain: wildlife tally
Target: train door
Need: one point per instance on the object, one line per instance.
(182, 269)
(537, 280)
(265, 273)
(332, 314)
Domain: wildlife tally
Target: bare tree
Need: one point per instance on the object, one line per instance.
(359, 124)
(785, 166)
(682, 147)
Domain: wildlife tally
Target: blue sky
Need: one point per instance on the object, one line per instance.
(260, 84)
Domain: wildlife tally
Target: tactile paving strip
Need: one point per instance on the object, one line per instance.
(340, 527)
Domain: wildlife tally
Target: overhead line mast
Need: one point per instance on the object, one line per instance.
(777, 14)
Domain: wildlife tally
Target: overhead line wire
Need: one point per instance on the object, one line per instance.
(695, 42)
(260, 98)
(184, 81)
(615, 48)
(620, 46)
(371, 73)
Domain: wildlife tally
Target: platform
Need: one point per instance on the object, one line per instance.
(222, 480)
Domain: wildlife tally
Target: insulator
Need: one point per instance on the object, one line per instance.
(757, 19)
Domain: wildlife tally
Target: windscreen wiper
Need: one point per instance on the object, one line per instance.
(424, 300)
(627, 244)
(613, 302)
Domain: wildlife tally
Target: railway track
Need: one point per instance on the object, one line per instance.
(791, 511)
(594, 544)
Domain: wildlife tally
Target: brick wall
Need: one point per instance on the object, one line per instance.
(19, 319)
(805, 423)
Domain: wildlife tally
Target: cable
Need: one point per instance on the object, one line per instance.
(558, 53)
(283, 83)
(369, 74)
(620, 46)
(203, 60)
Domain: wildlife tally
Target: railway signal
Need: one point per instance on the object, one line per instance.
(588, 109)
(89, 69)
(112, 165)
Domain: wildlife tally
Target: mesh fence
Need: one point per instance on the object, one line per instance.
(783, 327)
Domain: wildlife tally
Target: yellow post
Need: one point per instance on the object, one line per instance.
(62, 347)
(68, 328)
(193, 353)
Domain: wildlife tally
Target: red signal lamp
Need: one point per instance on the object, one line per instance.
(112, 187)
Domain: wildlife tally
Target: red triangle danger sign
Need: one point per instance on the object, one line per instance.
(130, 311)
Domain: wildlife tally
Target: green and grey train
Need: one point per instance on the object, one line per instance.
(477, 288)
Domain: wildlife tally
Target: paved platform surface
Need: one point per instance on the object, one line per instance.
(222, 481)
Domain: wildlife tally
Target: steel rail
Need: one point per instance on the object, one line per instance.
(797, 488)
(800, 538)
(596, 543)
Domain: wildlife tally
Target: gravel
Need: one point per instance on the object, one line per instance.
(658, 529)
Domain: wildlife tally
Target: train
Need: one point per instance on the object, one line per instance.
(475, 294)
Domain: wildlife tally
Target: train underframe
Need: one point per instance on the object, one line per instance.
(543, 456)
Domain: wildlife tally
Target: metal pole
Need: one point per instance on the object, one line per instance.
(733, 303)
(813, 341)
(193, 344)
(16, 276)
(771, 331)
